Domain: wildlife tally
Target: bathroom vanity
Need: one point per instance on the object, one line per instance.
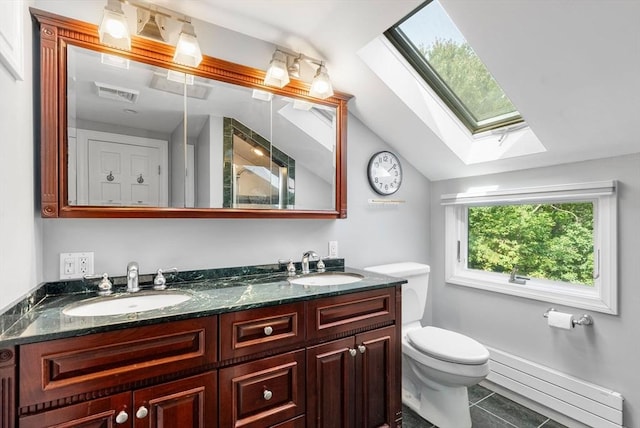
(247, 349)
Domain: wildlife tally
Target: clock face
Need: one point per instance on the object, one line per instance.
(385, 173)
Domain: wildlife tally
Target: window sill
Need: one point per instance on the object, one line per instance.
(589, 298)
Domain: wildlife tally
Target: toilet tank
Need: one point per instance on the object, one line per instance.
(414, 292)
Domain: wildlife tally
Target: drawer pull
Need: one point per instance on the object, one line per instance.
(142, 412)
(122, 417)
(353, 352)
(361, 348)
(268, 330)
(267, 394)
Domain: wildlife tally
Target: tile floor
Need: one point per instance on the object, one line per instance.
(489, 410)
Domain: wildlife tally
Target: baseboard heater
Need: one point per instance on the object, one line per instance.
(582, 401)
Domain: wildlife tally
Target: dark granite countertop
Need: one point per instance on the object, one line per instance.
(39, 316)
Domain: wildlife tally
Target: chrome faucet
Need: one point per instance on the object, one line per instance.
(132, 277)
(306, 257)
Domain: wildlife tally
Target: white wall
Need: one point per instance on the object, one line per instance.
(20, 236)
(606, 353)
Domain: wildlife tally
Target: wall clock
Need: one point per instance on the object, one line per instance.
(384, 173)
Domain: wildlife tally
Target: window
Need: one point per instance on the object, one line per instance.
(434, 46)
(553, 243)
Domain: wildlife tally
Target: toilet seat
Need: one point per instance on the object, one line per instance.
(448, 346)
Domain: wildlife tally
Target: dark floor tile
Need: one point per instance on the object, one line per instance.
(483, 419)
(411, 419)
(477, 393)
(512, 412)
(553, 424)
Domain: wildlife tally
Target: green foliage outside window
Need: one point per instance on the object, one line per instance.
(550, 241)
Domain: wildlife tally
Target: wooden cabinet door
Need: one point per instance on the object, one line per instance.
(377, 399)
(186, 403)
(331, 384)
(98, 413)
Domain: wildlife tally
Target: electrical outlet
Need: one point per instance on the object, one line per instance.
(333, 249)
(76, 265)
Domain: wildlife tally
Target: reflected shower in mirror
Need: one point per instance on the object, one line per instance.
(145, 136)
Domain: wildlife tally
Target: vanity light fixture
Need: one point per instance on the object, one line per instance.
(277, 73)
(294, 68)
(285, 64)
(321, 85)
(188, 50)
(152, 23)
(113, 29)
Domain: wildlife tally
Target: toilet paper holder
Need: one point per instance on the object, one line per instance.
(585, 319)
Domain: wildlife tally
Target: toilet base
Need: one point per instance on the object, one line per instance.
(447, 407)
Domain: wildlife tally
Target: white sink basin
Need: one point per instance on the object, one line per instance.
(327, 278)
(126, 304)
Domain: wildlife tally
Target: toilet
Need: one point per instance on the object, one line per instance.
(437, 364)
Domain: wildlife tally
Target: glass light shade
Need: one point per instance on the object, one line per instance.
(188, 50)
(277, 74)
(114, 30)
(321, 86)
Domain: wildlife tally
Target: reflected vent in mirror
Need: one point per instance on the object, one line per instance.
(116, 93)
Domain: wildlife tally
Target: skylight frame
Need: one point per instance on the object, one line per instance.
(412, 55)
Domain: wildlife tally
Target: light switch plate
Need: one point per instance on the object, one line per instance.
(333, 249)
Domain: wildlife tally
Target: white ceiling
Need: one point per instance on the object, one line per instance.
(572, 68)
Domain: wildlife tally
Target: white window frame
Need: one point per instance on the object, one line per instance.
(601, 297)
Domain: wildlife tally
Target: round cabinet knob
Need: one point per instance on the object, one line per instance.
(122, 417)
(142, 412)
(267, 394)
(353, 352)
(268, 330)
(361, 348)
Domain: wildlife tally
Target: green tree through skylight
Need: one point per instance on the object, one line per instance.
(441, 55)
(461, 69)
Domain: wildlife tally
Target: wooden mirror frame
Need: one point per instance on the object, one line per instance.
(56, 32)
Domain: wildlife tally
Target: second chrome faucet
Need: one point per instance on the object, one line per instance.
(311, 256)
(132, 277)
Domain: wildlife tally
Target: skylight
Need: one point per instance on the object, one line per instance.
(433, 45)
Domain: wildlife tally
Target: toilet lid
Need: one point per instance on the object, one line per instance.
(448, 345)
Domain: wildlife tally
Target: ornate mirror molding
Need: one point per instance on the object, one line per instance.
(68, 129)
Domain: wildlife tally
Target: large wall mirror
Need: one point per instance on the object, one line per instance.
(131, 134)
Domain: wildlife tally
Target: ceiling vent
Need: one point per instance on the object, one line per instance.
(117, 93)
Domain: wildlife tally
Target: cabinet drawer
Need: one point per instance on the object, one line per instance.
(264, 392)
(260, 330)
(350, 312)
(100, 412)
(80, 365)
